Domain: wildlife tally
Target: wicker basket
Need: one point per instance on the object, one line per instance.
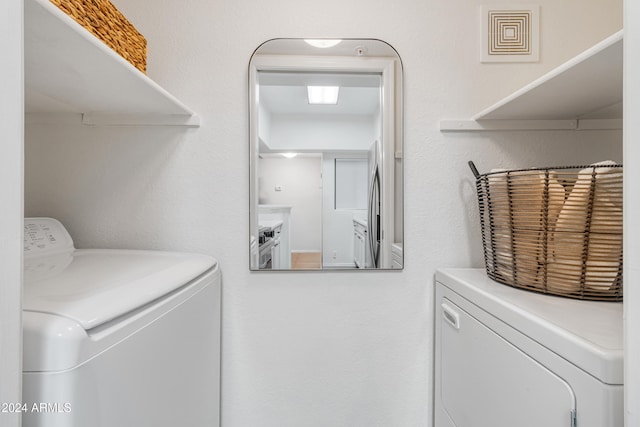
(554, 230)
(104, 21)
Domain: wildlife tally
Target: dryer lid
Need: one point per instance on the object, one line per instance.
(94, 286)
(588, 334)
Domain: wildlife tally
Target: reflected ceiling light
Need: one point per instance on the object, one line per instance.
(289, 155)
(323, 43)
(323, 94)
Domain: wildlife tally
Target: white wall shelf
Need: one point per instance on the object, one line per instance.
(69, 72)
(584, 93)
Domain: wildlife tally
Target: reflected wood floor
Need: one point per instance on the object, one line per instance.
(306, 260)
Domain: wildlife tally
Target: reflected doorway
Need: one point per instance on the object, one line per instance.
(294, 180)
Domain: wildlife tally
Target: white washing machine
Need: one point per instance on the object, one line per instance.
(117, 338)
(507, 357)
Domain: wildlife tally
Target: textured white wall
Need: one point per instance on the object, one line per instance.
(313, 349)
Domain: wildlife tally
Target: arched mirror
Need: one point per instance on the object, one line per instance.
(325, 155)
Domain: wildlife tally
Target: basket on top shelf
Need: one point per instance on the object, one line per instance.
(103, 20)
(554, 230)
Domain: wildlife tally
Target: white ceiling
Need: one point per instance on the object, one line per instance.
(286, 93)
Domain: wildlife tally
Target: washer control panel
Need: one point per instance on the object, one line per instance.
(45, 236)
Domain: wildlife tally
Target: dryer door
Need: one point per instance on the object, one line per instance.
(487, 381)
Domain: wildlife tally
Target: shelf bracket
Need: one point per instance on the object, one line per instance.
(600, 124)
(105, 119)
(506, 125)
(528, 125)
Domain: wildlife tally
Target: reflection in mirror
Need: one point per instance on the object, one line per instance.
(325, 155)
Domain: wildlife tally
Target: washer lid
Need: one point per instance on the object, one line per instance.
(94, 286)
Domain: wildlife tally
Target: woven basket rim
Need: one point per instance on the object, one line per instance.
(549, 168)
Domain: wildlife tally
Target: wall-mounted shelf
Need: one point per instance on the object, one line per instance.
(584, 93)
(69, 72)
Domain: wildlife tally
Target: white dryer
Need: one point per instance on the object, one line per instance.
(507, 357)
(117, 338)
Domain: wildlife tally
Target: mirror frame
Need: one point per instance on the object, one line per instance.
(390, 69)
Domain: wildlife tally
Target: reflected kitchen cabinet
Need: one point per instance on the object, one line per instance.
(273, 251)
